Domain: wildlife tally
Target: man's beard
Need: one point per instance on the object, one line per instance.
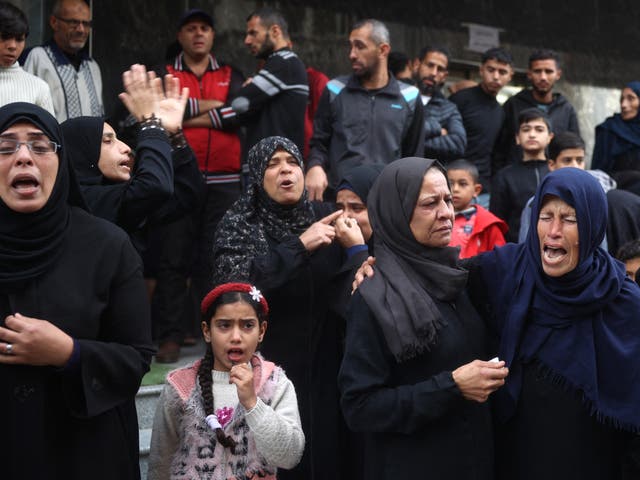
(541, 92)
(266, 49)
(429, 90)
(366, 73)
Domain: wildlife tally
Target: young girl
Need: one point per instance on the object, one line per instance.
(231, 415)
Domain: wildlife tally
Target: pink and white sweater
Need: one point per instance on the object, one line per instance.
(269, 436)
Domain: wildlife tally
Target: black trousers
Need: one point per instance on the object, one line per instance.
(185, 265)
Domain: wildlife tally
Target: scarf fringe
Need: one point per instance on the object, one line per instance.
(428, 338)
(559, 381)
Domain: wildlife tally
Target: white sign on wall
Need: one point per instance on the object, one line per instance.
(482, 37)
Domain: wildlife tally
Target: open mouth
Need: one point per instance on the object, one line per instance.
(553, 255)
(286, 184)
(126, 164)
(25, 184)
(235, 355)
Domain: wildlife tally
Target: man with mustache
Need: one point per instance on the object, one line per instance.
(482, 115)
(73, 76)
(445, 136)
(367, 117)
(543, 73)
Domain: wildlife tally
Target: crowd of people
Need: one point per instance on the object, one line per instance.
(388, 282)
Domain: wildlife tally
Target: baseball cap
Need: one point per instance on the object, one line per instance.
(195, 13)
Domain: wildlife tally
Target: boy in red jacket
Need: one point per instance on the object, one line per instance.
(475, 230)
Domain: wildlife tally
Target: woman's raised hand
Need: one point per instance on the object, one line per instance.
(142, 92)
(144, 96)
(478, 379)
(320, 233)
(173, 103)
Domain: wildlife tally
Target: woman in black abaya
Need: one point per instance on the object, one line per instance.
(75, 334)
(162, 182)
(411, 379)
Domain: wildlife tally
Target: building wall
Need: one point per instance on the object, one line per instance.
(592, 36)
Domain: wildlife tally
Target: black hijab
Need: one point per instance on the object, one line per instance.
(242, 233)
(83, 137)
(31, 243)
(616, 136)
(408, 275)
(360, 180)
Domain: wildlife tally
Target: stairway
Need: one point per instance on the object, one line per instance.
(146, 401)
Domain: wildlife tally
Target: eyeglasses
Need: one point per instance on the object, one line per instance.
(9, 146)
(76, 23)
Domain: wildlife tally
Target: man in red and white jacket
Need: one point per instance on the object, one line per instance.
(211, 85)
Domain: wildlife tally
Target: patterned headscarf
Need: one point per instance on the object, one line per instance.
(242, 232)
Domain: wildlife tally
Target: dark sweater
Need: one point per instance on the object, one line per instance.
(274, 103)
(511, 189)
(562, 114)
(482, 116)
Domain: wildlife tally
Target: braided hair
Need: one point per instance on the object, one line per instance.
(206, 386)
(223, 295)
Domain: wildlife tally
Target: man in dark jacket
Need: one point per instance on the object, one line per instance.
(445, 137)
(544, 71)
(275, 101)
(482, 115)
(364, 118)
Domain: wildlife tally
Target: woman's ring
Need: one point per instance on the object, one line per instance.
(9, 349)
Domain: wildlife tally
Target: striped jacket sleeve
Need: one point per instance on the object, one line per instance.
(270, 81)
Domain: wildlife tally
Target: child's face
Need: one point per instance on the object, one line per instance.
(234, 333)
(534, 136)
(632, 265)
(10, 49)
(463, 188)
(569, 157)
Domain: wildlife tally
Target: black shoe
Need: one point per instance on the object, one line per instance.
(168, 352)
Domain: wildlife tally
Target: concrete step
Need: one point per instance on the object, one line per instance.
(145, 440)
(146, 401)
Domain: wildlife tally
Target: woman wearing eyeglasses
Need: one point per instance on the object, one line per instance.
(74, 321)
